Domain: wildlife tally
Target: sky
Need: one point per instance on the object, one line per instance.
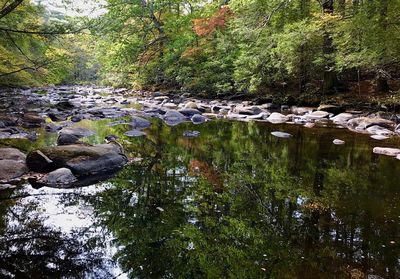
(90, 8)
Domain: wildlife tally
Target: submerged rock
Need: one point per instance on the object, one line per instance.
(134, 133)
(140, 123)
(387, 151)
(191, 134)
(281, 134)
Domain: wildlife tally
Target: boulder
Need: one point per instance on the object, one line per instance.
(387, 151)
(32, 120)
(277, 117)
(82, 160)
(198, 119)
(379, 137)
(59, 178)
(173, 118)
(12, 164)
(191, 105)
(360, 124)
(70, 135)
(342, 118)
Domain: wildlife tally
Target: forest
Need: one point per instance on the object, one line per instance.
(207, 48)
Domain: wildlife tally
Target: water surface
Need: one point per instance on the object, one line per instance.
(235, 202)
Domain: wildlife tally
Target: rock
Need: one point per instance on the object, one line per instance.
(189, 112)
(116, 123)
(12, 164)
(281, 134)
(378, 130)
(140, 123)
(198, 119)
(231, 115)
(379, 137)
(387, 151)
(173, 118)
(59, 178)
(8, 120)
(301, 110)
(342, 118)
(161, 98)
(277, 117)
(331, 109)
(134, 133)
(398, 157)
(262, 115)
(397, 129)
(32, 120)
(247, 110)
(191, 134)
(191, 105)
(12, 154)
(338, 142)
(170, 105)
(53, 127)
(317, 115)
(82, 160)
(71, 135)
(360, 124)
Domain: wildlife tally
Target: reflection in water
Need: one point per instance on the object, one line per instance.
(235, 202)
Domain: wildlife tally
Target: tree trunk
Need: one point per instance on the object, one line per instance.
(330, 78)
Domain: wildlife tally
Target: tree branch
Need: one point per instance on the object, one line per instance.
(11, 7)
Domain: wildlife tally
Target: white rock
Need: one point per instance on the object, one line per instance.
(317, 115)
(277, 117)
(387, 151)
(338, 142)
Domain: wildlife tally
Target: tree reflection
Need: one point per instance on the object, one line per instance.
(301, 208)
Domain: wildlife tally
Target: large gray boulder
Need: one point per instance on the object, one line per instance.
(360, 124)
(70, 135)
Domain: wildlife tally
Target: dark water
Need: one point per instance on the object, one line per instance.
(235, 202)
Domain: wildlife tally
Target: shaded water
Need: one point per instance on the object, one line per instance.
(235, 202)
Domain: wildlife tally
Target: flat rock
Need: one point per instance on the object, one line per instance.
(191, 105)
(394, 152)
(11, 154)
(277, 118)
(281, 134)
(262, 115)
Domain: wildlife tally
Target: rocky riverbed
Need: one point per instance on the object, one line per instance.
(75, 163)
